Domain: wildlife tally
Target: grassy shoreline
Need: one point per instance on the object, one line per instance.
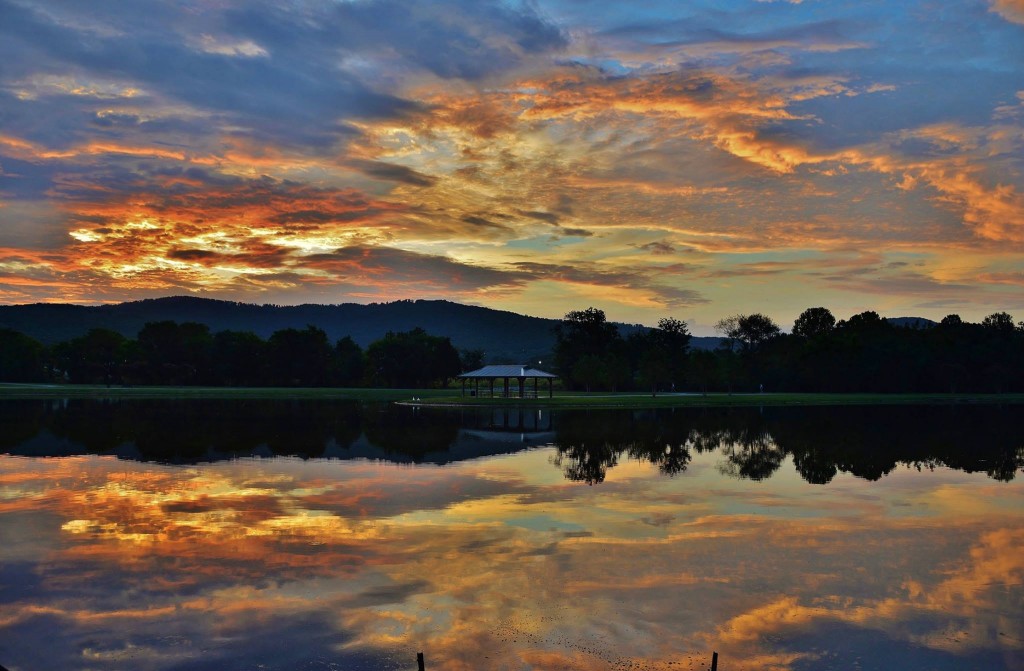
(452, 397)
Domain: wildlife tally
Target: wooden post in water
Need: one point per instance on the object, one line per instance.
(419, 661)
(714, 662)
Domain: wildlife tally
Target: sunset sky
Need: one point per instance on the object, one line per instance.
(659, 158)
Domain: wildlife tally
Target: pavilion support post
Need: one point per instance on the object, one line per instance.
(463, 386)
(522, 382)
(492, 387)
(551, 387)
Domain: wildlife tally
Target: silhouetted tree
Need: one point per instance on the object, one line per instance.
(999, 321)
(703, 370)
(751, 331)
(471, 359)
(663, 356)
(586, 349)
(864, 322)
(299, 358)
(951, 321)
(413, 359)
(22, 359)
(814, 322)
(239, 358)
(176, 353)
(350, 362)
(95, 358)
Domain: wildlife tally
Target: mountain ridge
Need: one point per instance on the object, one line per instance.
(504, 336)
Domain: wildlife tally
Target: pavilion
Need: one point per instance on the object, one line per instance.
(507, 373)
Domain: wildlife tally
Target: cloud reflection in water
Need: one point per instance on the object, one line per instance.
(503, 563)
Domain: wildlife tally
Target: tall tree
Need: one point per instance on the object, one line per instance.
(584, 340)
(177, 353)
(751, 331)
(413, 359)
(814, 322)
(350, 362)
(999, 321)
(22, 359)
(952, 321)
(239, 358)
(663, 356)
(471, 359)
(95, 358)
(300, 358)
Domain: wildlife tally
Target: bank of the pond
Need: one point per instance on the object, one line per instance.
(638, 400)
(450, 397)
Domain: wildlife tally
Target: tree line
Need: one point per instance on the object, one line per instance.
(169, 353)
(865, 353)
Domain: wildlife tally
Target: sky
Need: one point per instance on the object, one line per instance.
(651, 158)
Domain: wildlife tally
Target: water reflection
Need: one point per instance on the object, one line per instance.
(868, 442)
(501, 562)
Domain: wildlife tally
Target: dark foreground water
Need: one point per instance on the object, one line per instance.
(316, 535)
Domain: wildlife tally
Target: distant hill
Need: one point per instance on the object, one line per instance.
(503, 336)
(705, 342)
(911, 322)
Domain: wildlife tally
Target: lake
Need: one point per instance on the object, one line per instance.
(328, 535)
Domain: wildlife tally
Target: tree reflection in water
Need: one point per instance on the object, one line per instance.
(868, 441)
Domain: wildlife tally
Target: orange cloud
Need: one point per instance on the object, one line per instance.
(964, 595)
(1011, 10)
(31, 151)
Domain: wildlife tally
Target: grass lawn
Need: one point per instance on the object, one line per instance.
(444, 397)
(13, 391)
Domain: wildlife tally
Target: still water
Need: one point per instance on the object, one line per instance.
(323, 535)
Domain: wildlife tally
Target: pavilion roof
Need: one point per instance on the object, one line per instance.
(507, 370)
